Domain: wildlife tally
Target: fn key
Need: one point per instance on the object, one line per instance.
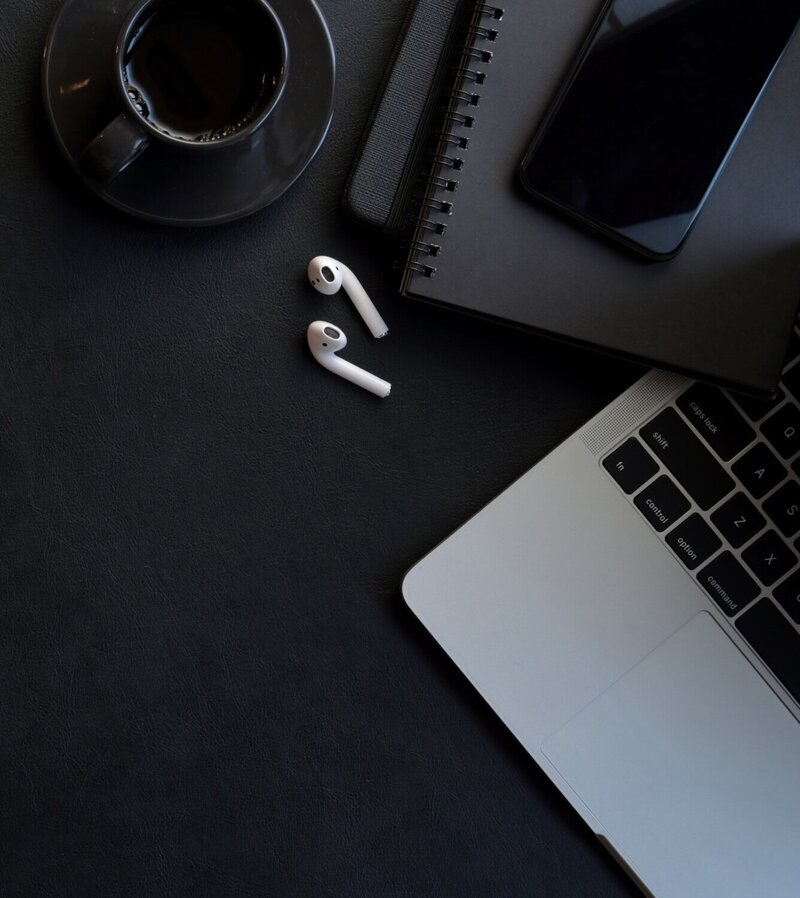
(630, 465)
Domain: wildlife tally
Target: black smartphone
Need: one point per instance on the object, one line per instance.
(651, 112)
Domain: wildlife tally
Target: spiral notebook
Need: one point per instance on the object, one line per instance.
(721, 311)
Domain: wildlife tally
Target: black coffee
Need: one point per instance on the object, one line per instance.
(201, 70)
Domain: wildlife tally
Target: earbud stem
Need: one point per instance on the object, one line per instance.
(364, 305)
(360, 377)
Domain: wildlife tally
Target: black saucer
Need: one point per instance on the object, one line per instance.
(166, 184)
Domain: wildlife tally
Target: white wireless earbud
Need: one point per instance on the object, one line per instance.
(329, 276)
(324, 341)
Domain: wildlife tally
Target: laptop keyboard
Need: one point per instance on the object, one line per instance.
(717, 476)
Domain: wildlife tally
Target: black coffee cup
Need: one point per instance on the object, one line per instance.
(195, 74)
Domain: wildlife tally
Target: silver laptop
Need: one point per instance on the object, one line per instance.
(630, 608)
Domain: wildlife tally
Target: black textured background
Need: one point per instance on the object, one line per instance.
(210, 685)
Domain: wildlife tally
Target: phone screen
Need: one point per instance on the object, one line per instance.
(651, 112)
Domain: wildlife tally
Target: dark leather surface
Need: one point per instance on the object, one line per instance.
(210, 685)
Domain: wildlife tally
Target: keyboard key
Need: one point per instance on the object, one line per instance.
(738, 520)
(728, 584)
(631, 466)
(716, 420)
(681, 451)
(784, 508)
(769, 558)
(788, 594)
(759, 470)
(662, 503)
(756, 409)
(776, 641)
(693, 541)
(783, 430)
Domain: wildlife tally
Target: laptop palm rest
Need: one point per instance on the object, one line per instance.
(691, 764)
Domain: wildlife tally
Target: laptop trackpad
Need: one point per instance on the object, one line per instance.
(692, 766)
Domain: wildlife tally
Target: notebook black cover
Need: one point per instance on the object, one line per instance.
(721, 311)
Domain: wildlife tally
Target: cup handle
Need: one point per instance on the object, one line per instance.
(114, 148)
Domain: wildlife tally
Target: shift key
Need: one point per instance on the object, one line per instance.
(682, 453)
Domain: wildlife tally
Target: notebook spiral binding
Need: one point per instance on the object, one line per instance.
(461, 108)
